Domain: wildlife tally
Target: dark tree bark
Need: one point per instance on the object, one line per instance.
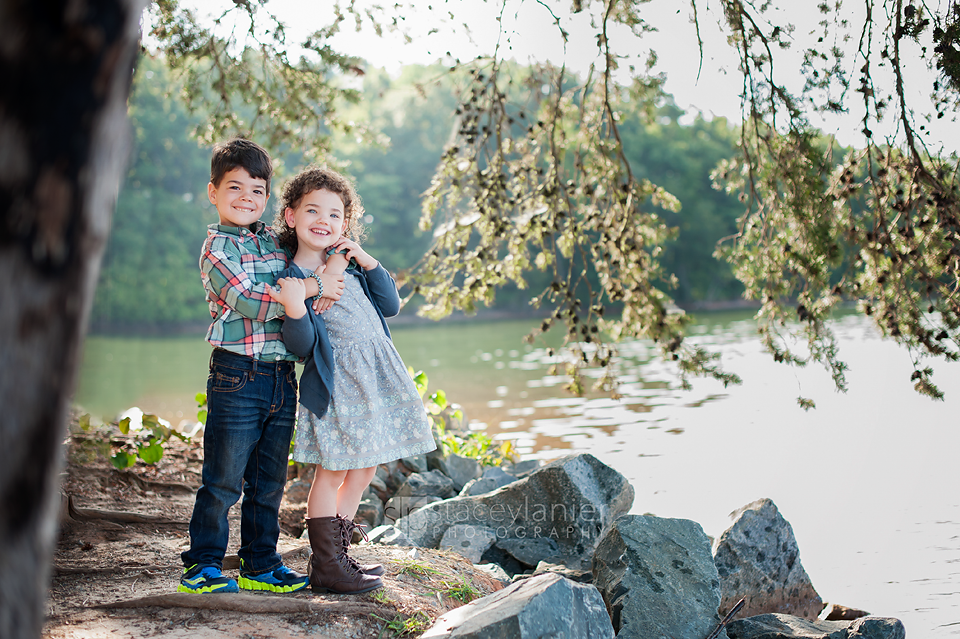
(66, 69)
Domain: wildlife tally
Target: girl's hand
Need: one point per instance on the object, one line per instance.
(322, 304)
(332, 290)
(354, 251)
(332, 286)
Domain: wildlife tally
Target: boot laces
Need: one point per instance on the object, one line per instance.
(346, 533)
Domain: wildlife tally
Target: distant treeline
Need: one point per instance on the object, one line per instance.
(150, 275)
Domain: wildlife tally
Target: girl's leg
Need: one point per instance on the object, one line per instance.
(350, 491)
(322, 500)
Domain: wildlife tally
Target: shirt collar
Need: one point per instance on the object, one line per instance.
(258, 229)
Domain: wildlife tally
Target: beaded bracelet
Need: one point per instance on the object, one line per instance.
(314, 275)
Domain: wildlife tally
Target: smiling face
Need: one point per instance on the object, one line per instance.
(239, 198)
(317, 220)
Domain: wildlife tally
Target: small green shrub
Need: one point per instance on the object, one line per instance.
(449, 423)
(148, 443)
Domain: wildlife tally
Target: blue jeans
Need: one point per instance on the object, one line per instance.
(251, 409)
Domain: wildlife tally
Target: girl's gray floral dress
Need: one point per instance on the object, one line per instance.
(375, 413)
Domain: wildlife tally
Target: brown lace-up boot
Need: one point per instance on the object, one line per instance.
(347, 527)
(330, 570)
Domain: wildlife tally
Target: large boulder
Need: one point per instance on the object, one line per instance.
(571, 501)
(468, 541)
(758, 560)
(657, 578)
(398, 506)
(544, 606)
(777, 626)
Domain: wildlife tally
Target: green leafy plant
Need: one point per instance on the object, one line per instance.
(452, 432)
(148, 443)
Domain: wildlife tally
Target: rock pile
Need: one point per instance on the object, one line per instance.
(577, 565)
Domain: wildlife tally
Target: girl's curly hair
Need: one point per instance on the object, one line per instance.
(313, 179)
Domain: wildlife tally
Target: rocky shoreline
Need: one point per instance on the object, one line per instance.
(574, 563)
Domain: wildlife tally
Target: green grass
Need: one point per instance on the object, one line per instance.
(463, 591)
(402, 626)
(415, 568)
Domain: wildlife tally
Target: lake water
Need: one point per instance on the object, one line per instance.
(869, 479)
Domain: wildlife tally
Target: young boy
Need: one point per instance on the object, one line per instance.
(251, 389)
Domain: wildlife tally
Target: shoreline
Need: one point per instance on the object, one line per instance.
(121, 329)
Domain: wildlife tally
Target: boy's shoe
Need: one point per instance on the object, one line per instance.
(199, 579)
(280, 580)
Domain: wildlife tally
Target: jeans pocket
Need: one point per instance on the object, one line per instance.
(228, 382)
(292, 380)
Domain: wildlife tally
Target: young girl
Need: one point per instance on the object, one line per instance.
(358, 406)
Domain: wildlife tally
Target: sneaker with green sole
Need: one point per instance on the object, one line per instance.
(202, 579)
(281, 579)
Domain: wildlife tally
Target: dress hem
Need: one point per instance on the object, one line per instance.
(380, 457)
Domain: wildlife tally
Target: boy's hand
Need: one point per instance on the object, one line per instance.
(290, 292)
(364, 260)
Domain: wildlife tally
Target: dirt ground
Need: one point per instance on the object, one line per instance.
(117, 566)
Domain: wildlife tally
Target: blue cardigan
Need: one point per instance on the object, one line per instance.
(307, 336)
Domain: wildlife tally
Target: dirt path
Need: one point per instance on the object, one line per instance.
(115, 575)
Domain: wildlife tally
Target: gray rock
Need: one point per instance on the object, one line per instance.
(545, 606)
(576, 573)
(469, 541)
(838, 612)
(378, 486)
(758, 560)
(457, 468)
(417, 463)
(529, 552)
(495, 571)
(657, 578)
(370, 511)
(522, 468)
(429, 483)
(779, 626)
(388, 536)
(393, 474)
(398, 507)
(493, 477)
(570, 500)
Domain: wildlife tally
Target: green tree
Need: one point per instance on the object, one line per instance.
(414, 113)
(149, 273)
(680, 158)
(545, 181)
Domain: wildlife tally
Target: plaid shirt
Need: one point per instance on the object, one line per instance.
(236, 265)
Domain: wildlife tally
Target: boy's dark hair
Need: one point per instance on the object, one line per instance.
(240, 153)
(313, 179)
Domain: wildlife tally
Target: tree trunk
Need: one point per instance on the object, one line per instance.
(66, 69)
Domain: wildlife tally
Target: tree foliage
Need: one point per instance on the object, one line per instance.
(538, 174)
(878, 225)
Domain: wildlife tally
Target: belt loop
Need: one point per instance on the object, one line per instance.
(255, 360)
(212, 353)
